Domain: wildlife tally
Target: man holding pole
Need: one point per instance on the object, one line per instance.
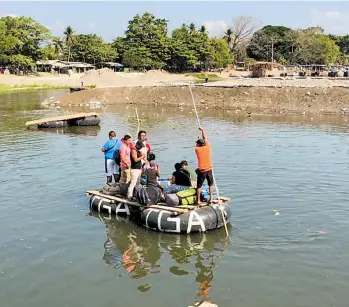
(204, 171)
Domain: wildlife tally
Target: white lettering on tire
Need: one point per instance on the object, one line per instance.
(197, 222)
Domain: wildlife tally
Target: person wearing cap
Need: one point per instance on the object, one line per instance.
(185, 166)
(136, 166)
(125, 159)
(204, 171)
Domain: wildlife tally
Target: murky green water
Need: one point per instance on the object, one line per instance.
(53, 253)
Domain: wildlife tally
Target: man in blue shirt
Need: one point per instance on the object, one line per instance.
(109, 149)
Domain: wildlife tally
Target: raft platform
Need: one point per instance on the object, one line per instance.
(162, 217)
(77, 119)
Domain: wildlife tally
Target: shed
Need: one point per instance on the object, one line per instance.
(112, 65)
(265, 69)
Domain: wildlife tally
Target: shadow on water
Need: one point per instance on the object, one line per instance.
(71, 131)
(139, 252)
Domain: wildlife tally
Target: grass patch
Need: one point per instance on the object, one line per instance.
(202, 76)
(5, 88)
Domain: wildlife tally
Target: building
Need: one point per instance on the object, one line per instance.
(111, 65)
(63, 67)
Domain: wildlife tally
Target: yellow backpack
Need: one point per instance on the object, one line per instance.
(187, 197)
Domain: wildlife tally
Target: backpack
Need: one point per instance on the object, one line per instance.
(147, 195)
(187, 197)
(172, 200)
(117, 157)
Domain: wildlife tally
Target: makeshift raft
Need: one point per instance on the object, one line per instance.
(161, 217)
(77, 119)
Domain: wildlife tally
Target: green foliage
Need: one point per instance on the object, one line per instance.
(343, 60)
(21, 39)
(202, 77)
(90, 48)
(190, 49)
(315, 48)
(271, 41)
(343, 43)
(221, 55)
(146, 40)
(308, 46)
(118, 45)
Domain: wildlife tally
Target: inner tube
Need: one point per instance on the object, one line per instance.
(55, 124)
(111, 207)
(86, 121)
(200, 220)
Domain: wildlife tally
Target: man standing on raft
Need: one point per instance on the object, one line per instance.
(204, 171)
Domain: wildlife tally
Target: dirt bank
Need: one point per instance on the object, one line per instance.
(316, 100)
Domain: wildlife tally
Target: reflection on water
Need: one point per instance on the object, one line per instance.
(72, 131)
(139, 252)
(51, 253)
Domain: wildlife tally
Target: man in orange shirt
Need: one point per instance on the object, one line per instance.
(204, 171)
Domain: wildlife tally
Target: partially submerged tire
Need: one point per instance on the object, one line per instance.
(200, 220)
(111, 207)
(88, 121)
(55, 124)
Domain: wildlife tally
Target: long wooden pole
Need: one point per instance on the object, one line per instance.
(214, 179)
(139, 124)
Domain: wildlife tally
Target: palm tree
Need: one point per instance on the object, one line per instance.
(68, 38)
(57, 45)
(192, 28)
(203, 29)
(229, 37)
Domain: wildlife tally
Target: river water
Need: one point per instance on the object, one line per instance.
(54, 252)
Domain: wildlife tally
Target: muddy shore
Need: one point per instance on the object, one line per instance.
(260, 99)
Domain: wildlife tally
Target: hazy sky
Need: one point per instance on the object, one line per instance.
(110, 19)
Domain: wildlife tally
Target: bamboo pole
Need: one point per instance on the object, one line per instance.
(139, 124)
(214, 179)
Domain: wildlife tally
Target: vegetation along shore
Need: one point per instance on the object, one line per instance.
(151, 57)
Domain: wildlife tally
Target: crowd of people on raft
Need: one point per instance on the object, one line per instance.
(132, 162)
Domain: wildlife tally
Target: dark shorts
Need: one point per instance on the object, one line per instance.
(202, 176)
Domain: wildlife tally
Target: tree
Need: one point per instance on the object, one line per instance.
(314, 48)
(146, 35)
(190, 49)
(58, 45)
(270, 43)
(229, 36)
(118, 45)
(21, 39)
(242, 29)
(91, 48)
(221, 55)
(343, 44)
(68, 38)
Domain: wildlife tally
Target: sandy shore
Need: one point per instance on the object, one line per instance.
(257, 99)
(267, 95)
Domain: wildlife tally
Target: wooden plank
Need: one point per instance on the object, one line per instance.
(190, 207)
(111, 197)
(172, 209)
(224, 198)
(58, 118)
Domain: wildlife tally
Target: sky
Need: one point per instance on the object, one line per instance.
(110, 19)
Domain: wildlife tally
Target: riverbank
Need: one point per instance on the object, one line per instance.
(4, 88)
(260, 99)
